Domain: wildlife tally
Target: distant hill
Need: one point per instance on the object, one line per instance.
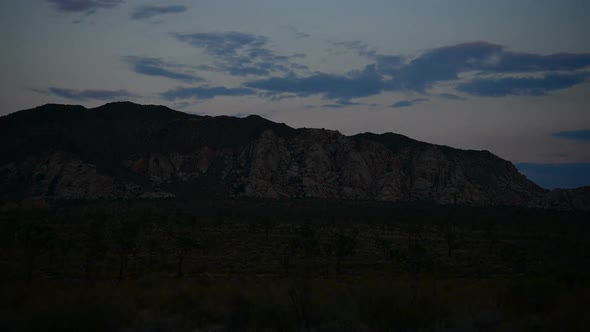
(123, 150)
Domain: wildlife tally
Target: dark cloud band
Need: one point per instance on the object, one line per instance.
(83, 5)
(408, 103)
(519, 86)
(354, 85)
(146, 12)
(497, 66)
(82, 95)
(241, 54)
(205, 93)
(160, 68)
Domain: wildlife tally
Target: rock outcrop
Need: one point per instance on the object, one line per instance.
(124, 150)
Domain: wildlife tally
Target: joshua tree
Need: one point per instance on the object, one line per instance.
(153, 245)
(285, 255)
(300, 296)
(60, 247)
(183, 244)
(96, 247)
(451, 239)
(181, 240)
(345, 244)
(393, 254)
(417, 257)
(307, 241)
(35, 239)
(127, 233)
(267, 224)
(514, 256)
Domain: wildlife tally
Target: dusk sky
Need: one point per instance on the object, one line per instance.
(511, 77)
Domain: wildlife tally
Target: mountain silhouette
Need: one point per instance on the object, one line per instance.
(121, 150)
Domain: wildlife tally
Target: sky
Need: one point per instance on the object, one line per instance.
(510, 77)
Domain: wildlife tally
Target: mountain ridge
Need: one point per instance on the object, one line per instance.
(121, 150)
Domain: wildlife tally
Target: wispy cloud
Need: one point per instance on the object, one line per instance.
(574, 135)
(342, 87)
(408, 103)
(205, 92)
(446, 63)
(451, 96)
(498, 73)
(81, 95)
(531, 86)
(146, 12)
(298, 33)
(384, 63)
(346, 103)
(241, 54)
(356, 46)
(158, 67)
(87, 6)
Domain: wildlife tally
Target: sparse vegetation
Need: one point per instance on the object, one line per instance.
(186, 267)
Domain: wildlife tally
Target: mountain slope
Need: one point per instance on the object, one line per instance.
(125, 150)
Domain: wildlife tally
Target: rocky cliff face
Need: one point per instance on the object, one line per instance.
(124, 150)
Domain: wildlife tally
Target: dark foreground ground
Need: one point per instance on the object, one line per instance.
(292, 266)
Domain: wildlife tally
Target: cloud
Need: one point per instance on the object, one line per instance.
(531, 86)
(333, 105)
(356, 46)
(552, 176)
(386, 64)
(87, 6)
(498, 72)
(527, 62)
(450, 96)
(146, 12)
(408, 103)
(441, 64)
(302, 35)
(158, 67)
(543, 73)
(90, 94)
(241, 54)
(446, 63)
(345, 103)
(205, 92)
(297, 33)
(575, 135)
(355, 84)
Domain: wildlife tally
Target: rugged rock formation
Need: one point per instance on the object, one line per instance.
(125, 150)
